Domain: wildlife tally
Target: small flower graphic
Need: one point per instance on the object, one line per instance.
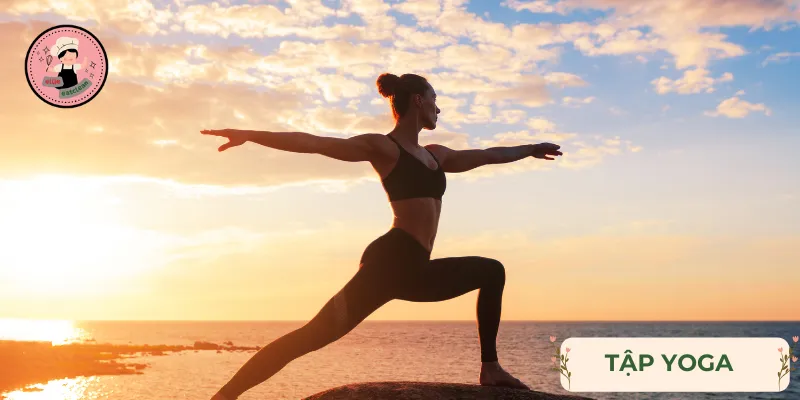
(785, 365)
(562, 368)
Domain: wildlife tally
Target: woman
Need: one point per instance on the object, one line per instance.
(397, 264)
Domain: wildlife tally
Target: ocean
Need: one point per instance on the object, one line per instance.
(373, 351)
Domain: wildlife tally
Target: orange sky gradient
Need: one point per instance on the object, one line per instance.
(121, 210)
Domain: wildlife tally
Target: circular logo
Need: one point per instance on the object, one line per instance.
(66, 66)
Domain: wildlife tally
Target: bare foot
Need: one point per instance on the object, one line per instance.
(492, 374)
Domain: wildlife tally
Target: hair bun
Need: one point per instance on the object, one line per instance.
(387, 84)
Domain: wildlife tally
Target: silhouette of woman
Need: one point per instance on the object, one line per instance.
(397, 264)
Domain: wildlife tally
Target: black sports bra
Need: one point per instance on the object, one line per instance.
(411, 178)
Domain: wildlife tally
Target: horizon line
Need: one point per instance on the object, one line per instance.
(398, 320)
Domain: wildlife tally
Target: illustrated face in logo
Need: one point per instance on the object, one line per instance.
(54, 71)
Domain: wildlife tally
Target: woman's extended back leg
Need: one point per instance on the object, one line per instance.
(361, 296)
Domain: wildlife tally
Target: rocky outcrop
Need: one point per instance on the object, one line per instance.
(432, 391)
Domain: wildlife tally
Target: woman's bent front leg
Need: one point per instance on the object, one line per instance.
(361, 296)
(446, 278)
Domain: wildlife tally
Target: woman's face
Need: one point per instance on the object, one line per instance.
(69, 58)
(428, 110)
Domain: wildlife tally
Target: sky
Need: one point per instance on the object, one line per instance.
(677, 197)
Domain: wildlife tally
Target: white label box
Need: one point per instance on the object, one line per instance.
(675, 364)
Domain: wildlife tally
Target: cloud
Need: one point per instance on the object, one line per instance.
(353, 104)
(529, 90)
(379, 24)
(535, 6)
(479, 113)
(541, 124)
(526, 40)
(695, 13)
(693, 81)
(588, 155)
(413, 38)
(335, 88)
(456, 21)
(697, 49)
(620, 42)
(780, 57)
(530, 38)
(297, 58)
(476, 60)
(424, 11)
(509, 116)
(677, 27)
(690, 49)
(576, 101)
(128, 16)
(735, 107)
(303, 19)
(459, 83)
(564, 79)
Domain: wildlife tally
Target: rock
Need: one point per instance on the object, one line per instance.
(201, 345)
(432, 391)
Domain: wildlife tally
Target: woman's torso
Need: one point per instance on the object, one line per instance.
(418, 216)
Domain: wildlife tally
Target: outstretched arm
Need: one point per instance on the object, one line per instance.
(465, 160)
(356, 148)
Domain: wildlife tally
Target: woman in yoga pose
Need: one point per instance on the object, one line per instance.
(396, 265)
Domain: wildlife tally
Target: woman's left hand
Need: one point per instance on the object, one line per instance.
(543, 150)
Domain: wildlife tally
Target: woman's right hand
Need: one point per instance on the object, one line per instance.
(235, 137)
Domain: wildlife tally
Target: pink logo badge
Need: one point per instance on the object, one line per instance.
(66, 66)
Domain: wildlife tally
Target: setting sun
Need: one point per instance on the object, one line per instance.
(63, 234)
(55, 331)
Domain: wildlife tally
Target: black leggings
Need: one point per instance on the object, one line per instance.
(393, 266)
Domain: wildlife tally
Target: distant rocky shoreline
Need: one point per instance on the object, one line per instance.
(29, 362)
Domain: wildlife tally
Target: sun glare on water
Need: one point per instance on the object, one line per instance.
(59, 389)
(62, 234)
(55, 331)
